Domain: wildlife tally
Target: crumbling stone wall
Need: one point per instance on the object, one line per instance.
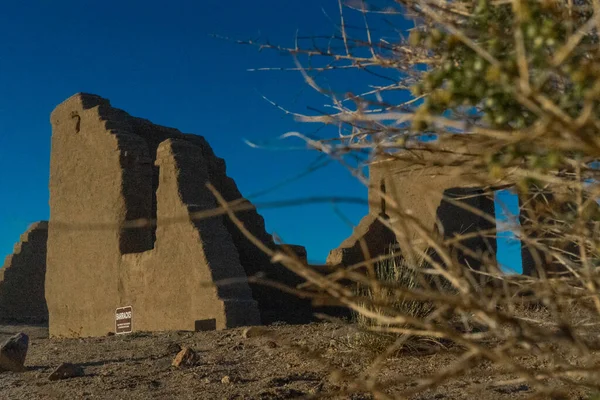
(22, 294)
(109, 169)
(420, 184)
(420, 188)
(370, 238)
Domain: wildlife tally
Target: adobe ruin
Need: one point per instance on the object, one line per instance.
(112, 174)
(433, 187)
(109, 169)
(22, 277)
(423, 189)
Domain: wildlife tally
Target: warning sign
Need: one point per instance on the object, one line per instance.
(123, 320)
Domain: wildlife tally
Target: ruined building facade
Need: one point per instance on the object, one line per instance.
(109, 169)
(442, 197)
(22, 278)
(122, 232)
(422, 185)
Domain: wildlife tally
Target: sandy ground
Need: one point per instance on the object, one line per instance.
(285, 363)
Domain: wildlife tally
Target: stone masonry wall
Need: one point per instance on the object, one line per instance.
(22, 294)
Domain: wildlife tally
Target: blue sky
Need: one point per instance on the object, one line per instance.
(509, 248)
(157, 60)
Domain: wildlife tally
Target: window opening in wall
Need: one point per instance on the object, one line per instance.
(508, 253)
(382, 189)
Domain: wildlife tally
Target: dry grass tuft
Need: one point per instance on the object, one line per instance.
(397, 274)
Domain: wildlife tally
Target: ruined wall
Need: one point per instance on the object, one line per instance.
(171, 279)
(108, 168)
(274, 304)
(420, 181)
(541, 207)
(419, 185)
(22, 294)
(370, 238)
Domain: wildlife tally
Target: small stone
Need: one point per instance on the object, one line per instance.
(13, 352)
(185, 358)
(253, 331)
(66, 371)
(226, 380)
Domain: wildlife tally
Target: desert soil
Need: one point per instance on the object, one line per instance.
(285, 362)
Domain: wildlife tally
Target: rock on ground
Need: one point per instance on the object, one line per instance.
(66, 371)
(185, 358)
(13, 353)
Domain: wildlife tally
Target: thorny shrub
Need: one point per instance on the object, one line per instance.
(516, 83)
